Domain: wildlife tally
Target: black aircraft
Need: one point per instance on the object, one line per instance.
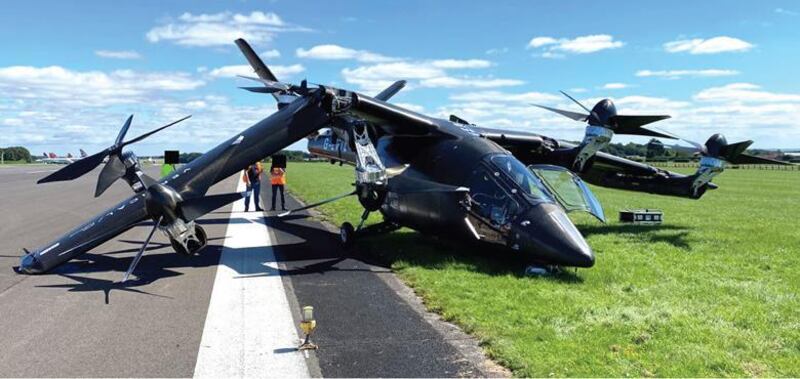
(499, 187)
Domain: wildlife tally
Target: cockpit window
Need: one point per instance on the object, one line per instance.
(489, 200)
(531, 186)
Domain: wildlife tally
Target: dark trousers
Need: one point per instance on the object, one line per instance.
(275, 189)
(256, 189)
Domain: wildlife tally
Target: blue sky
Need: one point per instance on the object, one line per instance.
(71, 71)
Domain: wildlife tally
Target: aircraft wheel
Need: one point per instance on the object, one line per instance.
(195, 245)
(179, 248)
(347, 234)
(201, 234)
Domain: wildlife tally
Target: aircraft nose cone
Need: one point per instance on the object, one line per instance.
(549, 235)
(28, 264)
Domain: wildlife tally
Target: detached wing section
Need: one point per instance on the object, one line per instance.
(608, 170)
(604, 169)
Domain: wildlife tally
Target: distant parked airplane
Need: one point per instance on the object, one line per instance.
(52, 158)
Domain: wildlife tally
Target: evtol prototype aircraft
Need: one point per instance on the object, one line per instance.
(505, 188)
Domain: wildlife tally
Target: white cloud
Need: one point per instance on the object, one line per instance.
(336, 52)
(541, 41)
(433, 73)
(412, 107)
(90, 88)
(245, 70)
(504, 97)
(555, 48)
(497, 51)
(786, 12)
(393, 71)
(578, 90)
(220, 29)
(58, 109)
(713, 45)
(118, 54)
(677, 74)
(461, 63)
(740, 111)
(271, 54)
(615, 86)
(384, 69)
(744, 92)
(451, 82)
(552, 55)
(12, 122)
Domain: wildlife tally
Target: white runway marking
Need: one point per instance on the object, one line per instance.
(249, 330)
(39, 172)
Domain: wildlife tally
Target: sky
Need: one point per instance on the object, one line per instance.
(72, 71)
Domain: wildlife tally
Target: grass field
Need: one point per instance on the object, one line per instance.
(711, 292)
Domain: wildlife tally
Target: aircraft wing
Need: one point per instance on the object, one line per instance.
(605, 170)
(395, 120)
(90, 234)
(509, 139)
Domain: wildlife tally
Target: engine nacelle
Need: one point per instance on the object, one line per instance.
(162, 202)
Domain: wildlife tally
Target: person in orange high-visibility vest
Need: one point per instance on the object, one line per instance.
(278, 180)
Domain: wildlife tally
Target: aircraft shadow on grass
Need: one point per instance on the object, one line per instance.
(309, 249)
(674, 235)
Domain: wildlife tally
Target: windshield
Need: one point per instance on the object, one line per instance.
(531, 186)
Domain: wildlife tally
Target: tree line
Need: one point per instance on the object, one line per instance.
(16, 153)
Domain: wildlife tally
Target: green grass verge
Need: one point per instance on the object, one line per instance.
(711, 292)
(14, 163)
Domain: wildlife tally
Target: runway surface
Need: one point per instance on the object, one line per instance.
(232, 311)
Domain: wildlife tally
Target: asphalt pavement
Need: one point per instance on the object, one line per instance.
(79, 320)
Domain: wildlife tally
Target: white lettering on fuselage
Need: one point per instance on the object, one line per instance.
(100, 219)
(49, 248)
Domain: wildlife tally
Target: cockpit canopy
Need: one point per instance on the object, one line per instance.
(501, 188)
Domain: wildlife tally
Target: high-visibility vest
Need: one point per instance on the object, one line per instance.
(278, 176)
(166, 169)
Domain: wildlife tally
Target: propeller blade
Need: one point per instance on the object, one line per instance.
(576, 101)
(633, 125)
(752, 159)
(640, 131)
(271, 90)
(193, 209)
(138, 256)
(699, 148)
(77, 168)
(573, 115)
(255, 62)
(391, 90)
(406, 185)
(269, 83)
(123, 131)
(729, 152)
(148, 134)
(317, 204)
(113, 170)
